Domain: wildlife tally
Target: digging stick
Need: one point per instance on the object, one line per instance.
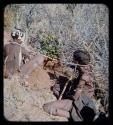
(71, 77)
(65, 88)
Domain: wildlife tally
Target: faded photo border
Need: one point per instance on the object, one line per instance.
(80, 29)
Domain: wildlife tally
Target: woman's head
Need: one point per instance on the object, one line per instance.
(18, 34)
(81, 57)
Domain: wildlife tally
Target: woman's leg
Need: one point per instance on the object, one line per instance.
(59, 107)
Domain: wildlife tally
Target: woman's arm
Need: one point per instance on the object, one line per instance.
(86, 77)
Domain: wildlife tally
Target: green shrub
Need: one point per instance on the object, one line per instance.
(50, 46)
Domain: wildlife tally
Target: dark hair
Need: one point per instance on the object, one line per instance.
(15, 36)
(81, 56)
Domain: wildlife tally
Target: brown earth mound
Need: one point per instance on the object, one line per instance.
(39, 79)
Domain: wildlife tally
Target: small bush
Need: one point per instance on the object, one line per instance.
(50, 46)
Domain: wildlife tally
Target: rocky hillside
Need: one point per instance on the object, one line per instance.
(23, 99)
(65, 28)
(83, 26)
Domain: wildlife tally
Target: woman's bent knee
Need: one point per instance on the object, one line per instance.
(47, 107)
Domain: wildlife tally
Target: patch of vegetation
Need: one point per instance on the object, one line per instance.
(50, 46)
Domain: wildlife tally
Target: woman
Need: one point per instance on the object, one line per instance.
(79, 107)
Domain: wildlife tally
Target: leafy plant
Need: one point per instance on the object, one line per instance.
(50, 46)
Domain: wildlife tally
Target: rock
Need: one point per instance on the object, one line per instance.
(39, 79)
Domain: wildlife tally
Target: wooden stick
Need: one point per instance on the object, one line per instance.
(76, 64)
(65, 88)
